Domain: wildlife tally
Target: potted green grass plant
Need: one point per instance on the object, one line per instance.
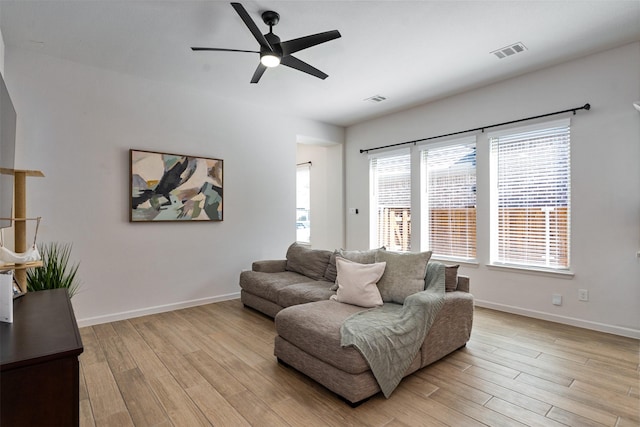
(56, 272)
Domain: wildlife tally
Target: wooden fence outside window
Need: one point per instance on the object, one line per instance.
(526, 236)
(536, 236)
(453, 232)
(394, 228)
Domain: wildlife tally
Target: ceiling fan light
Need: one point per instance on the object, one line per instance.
(270, 60)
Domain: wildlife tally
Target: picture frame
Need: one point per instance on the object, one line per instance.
(167, 187)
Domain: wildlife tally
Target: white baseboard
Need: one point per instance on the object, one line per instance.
(586, 324)
(90, 321)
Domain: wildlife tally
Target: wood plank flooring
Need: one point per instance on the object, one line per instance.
(214, 365)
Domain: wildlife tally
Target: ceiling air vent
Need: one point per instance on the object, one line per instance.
(509, 50)
(376, 98)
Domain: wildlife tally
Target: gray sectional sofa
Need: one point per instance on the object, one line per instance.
(296, 292)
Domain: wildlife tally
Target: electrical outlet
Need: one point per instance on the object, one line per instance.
(556, 299)
(583, 295)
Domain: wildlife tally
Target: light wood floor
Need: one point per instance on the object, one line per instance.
(214, 365)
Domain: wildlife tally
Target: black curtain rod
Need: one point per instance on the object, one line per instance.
(586, 106)
(305, 163)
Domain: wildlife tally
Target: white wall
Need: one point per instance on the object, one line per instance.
(327, 211)
(77, 123)
(1, 47)
(605, 144)
(1, 54)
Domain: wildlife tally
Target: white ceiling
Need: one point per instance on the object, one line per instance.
(408, 51)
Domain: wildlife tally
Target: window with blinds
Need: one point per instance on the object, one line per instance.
(303, 203)
(449, 199)
(531, 195)
(390, 179)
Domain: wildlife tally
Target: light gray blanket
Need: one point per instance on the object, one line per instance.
(389, 337)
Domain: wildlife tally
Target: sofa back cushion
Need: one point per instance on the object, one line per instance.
(310, 262)
(404, 274)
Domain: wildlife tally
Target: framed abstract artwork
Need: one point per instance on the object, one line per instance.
(174, 187)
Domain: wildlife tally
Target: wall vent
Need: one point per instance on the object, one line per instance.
(376, 98)
(509, 50)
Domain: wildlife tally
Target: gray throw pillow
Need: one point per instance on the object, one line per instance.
(403, 275)
(451, 277)
(331, 272)
(310, 262)
(362, 257)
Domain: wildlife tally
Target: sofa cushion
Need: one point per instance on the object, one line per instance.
(357, 283)
(315, 329)
(302, 293)
(451, 277)
(331, 273)
(266, 285)
(310, 262)
(403, 276)
(363, 257)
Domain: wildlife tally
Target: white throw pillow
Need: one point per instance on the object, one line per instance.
(357, 283)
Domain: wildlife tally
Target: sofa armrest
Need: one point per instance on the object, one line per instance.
(270, 266)
(463, 284)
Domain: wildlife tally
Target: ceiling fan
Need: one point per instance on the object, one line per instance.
(272, 51)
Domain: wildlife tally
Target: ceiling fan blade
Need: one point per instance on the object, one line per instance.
(258, 73)
(293, 62)
(195, 49)
(252, 26)
(293, 46)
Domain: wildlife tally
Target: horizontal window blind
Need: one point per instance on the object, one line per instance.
(390, 178)
(531, 206)
(449, 213)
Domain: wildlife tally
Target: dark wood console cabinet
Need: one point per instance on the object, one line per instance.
(39, 368)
